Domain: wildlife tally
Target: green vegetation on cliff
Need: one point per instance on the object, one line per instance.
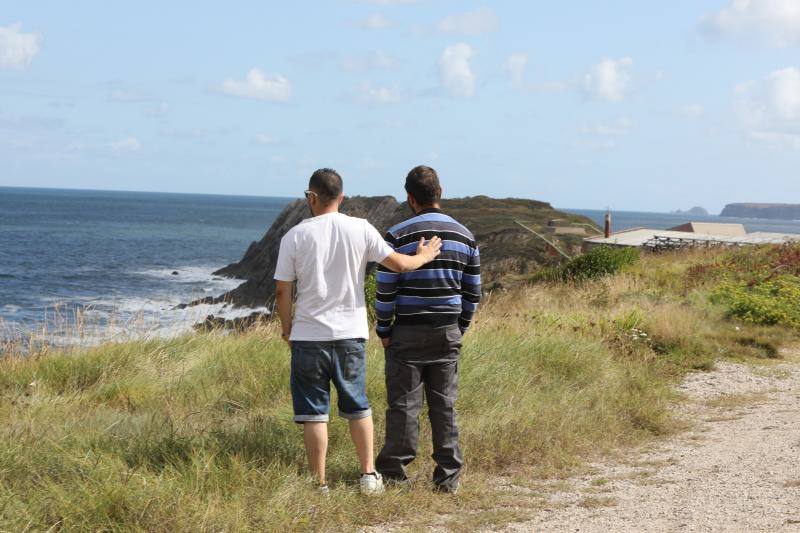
(195, 433)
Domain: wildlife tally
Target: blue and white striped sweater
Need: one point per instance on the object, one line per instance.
(443, 292)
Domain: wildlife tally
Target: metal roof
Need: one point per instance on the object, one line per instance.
(713, 228)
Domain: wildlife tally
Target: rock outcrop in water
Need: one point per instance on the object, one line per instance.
(697, 210)
(508, 251)
(773, 211)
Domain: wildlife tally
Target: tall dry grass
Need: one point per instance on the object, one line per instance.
(194, 433)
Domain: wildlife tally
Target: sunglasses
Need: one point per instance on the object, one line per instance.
(309, 193)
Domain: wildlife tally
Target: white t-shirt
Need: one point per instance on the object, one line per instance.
(327, 255)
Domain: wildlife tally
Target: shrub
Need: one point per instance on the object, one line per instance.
(768, 302)
(599, 261)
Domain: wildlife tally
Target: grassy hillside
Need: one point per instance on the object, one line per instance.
(195, 433)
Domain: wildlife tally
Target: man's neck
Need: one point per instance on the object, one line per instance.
(427, 208)
(333, 208)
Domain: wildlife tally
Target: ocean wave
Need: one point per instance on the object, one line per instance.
(10, 309)
(126, 319)
(191, 274)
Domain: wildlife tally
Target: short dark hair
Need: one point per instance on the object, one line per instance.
(327, 183)
(422, 183)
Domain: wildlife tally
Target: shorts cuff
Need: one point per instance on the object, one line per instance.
(356, 416)
(310, 418)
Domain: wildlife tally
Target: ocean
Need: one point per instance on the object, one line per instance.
(94, 265)
(105, 260)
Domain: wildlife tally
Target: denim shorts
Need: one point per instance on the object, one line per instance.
(314, 365)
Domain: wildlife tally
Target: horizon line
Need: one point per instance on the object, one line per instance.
(79, 189)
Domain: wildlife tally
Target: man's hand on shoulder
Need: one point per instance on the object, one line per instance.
(430, 249)
(427, 251)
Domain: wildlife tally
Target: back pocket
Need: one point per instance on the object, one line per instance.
(307, 361)
(352, 360)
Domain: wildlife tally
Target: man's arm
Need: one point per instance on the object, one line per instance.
(470, 290)
(426, 252)
(283, 300)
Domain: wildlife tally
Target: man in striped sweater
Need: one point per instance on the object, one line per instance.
(422, 316)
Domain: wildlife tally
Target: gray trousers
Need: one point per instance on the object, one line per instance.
(422, 358)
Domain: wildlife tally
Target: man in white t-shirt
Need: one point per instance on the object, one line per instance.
(327, 256)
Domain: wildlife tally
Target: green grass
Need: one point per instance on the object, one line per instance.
(195, 433)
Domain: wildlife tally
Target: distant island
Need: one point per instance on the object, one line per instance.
(700, 211)
(773, 211)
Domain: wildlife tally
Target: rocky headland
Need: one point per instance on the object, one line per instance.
(773, 211)
(508, 250)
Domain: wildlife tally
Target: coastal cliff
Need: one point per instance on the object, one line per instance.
(507, 249)
(774, 211)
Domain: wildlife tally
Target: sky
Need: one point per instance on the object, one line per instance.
(633, 105)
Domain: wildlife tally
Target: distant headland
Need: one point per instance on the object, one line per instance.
(773, 211)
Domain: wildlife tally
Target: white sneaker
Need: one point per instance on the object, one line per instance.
(371, 483)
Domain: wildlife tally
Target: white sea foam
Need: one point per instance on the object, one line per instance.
(10, 309)
(117, 318)
(192, 274)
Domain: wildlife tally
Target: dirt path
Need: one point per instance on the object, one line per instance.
(736, 469)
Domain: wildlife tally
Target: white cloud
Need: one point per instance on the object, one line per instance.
(370, 95)
(691, 110)
(128, 144)
(375, 21)
(605, 136)
(257, 85)
(776, 20)
(775, 138)
(455, 73)
(377, 60)
(157, 109)
(17, 49)
(622, 126)
(769, 110)
(477, 22)
(263, 138)
(609, 80)
(515, 65)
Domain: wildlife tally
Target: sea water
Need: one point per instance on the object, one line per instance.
(120, 259)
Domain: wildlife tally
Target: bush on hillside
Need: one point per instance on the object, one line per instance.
(599, 261)
(767, 302)
(759, 285)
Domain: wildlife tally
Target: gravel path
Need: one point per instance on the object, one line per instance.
(736, 469)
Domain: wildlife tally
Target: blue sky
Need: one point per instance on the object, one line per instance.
(628, 104)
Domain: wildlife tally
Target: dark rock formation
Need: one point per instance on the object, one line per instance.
(507, 249)
(773, 211)
(239, 324)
